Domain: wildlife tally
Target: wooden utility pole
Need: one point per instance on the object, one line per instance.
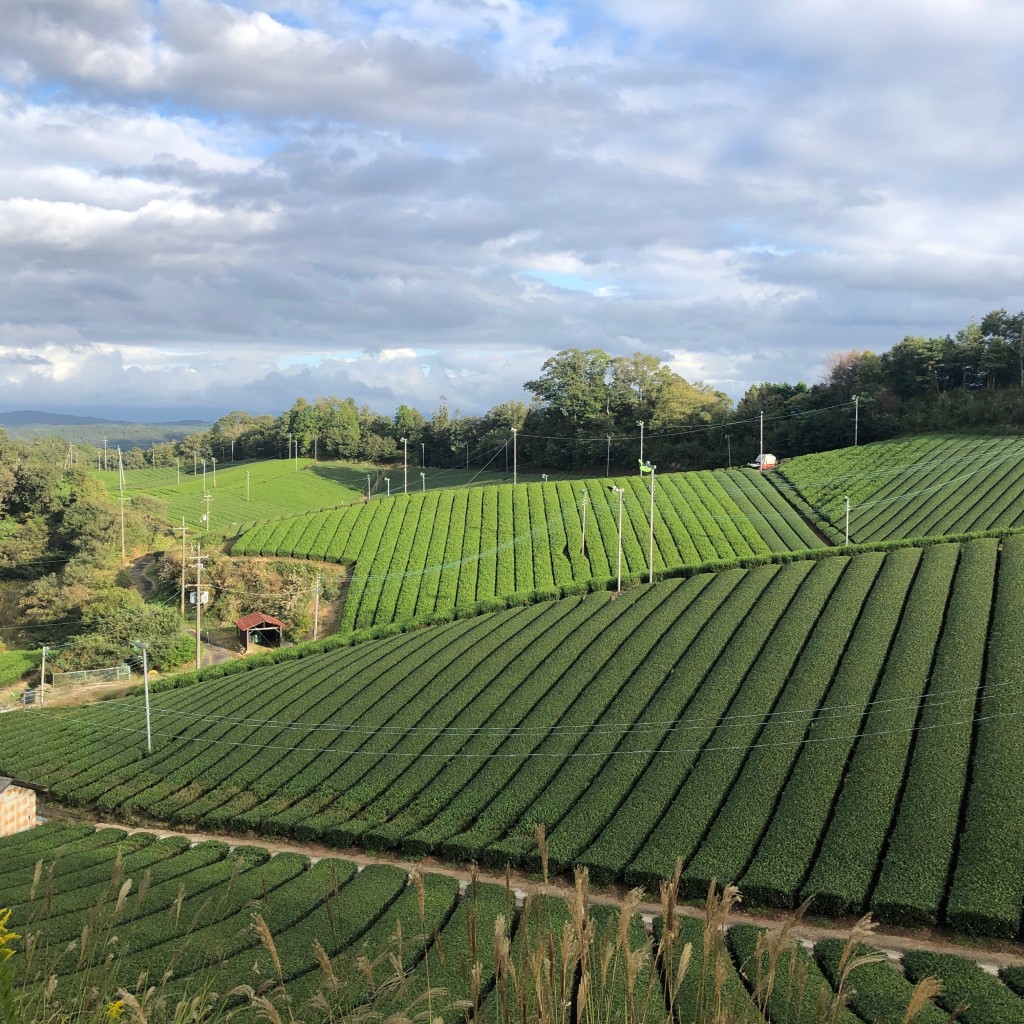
(316, 606)
(184, 532)
(120, 476)
(42, 678)
(198, 559)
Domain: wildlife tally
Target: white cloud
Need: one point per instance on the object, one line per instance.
(403, 198)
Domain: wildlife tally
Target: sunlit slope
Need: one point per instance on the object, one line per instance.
(242, 494)
(913, 487)
(433, 551)
(844, 728)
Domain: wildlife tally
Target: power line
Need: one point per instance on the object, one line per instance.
(792, 716)
(494, 755)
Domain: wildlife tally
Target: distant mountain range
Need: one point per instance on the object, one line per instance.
(27, 424)
(32, 417)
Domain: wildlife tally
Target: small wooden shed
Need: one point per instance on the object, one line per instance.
(258, 628)
(17, 805)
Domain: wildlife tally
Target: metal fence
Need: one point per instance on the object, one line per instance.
(92, 675)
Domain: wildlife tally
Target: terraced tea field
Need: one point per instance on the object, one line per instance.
(844, 728)
(913, 487)
(438, 550)
(183, 919)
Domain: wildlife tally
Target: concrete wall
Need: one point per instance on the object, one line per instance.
(17, 810)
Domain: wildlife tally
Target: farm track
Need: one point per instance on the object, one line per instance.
(139, 570)
(990, 955)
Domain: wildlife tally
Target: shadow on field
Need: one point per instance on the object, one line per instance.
(344, 475)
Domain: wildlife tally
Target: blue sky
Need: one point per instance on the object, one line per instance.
(208, 206)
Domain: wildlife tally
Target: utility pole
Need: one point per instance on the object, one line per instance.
(608, 459)
(405, 466)
(367, 486)
(204, 476)
(640, 424)
(387, 480)
(760, 460)
(583, 546)
(515, 459)
(620, 491)
(199, 604)
(423, 480)
(145, 687)
(206, 517)
(728, 448)
(856, 418)
(423, 455)
(650, 548)
(847, 500)
(120, 477)
(42, 678)
(104, 455)
(214, 472)
(316, 606)
(467, 457)
(184, 532)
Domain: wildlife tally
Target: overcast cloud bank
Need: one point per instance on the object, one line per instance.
(207, 206)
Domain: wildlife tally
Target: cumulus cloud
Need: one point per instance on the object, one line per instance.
(228, 204)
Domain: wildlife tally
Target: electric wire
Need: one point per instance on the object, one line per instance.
(529, 755)
(810, 715)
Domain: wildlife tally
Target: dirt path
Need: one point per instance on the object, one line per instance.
(139, 570)
(989, 954)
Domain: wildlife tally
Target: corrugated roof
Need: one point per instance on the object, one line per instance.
(255, 619)
(5, 781)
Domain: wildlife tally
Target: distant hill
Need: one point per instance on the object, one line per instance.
(28, 424)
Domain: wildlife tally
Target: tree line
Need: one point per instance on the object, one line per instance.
(587, 408)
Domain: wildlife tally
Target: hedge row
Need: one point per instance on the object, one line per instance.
(988, 885)
(849, 855)
(912, 487)
(497, 541)
(764, 724)
(787, 851)
(915, 872)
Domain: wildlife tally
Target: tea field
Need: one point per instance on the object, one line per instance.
(912, 487)
(275, 489)
(420, 553)
(191, 918)
(843, 728)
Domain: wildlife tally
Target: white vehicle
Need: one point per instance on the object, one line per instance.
(764, 461)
